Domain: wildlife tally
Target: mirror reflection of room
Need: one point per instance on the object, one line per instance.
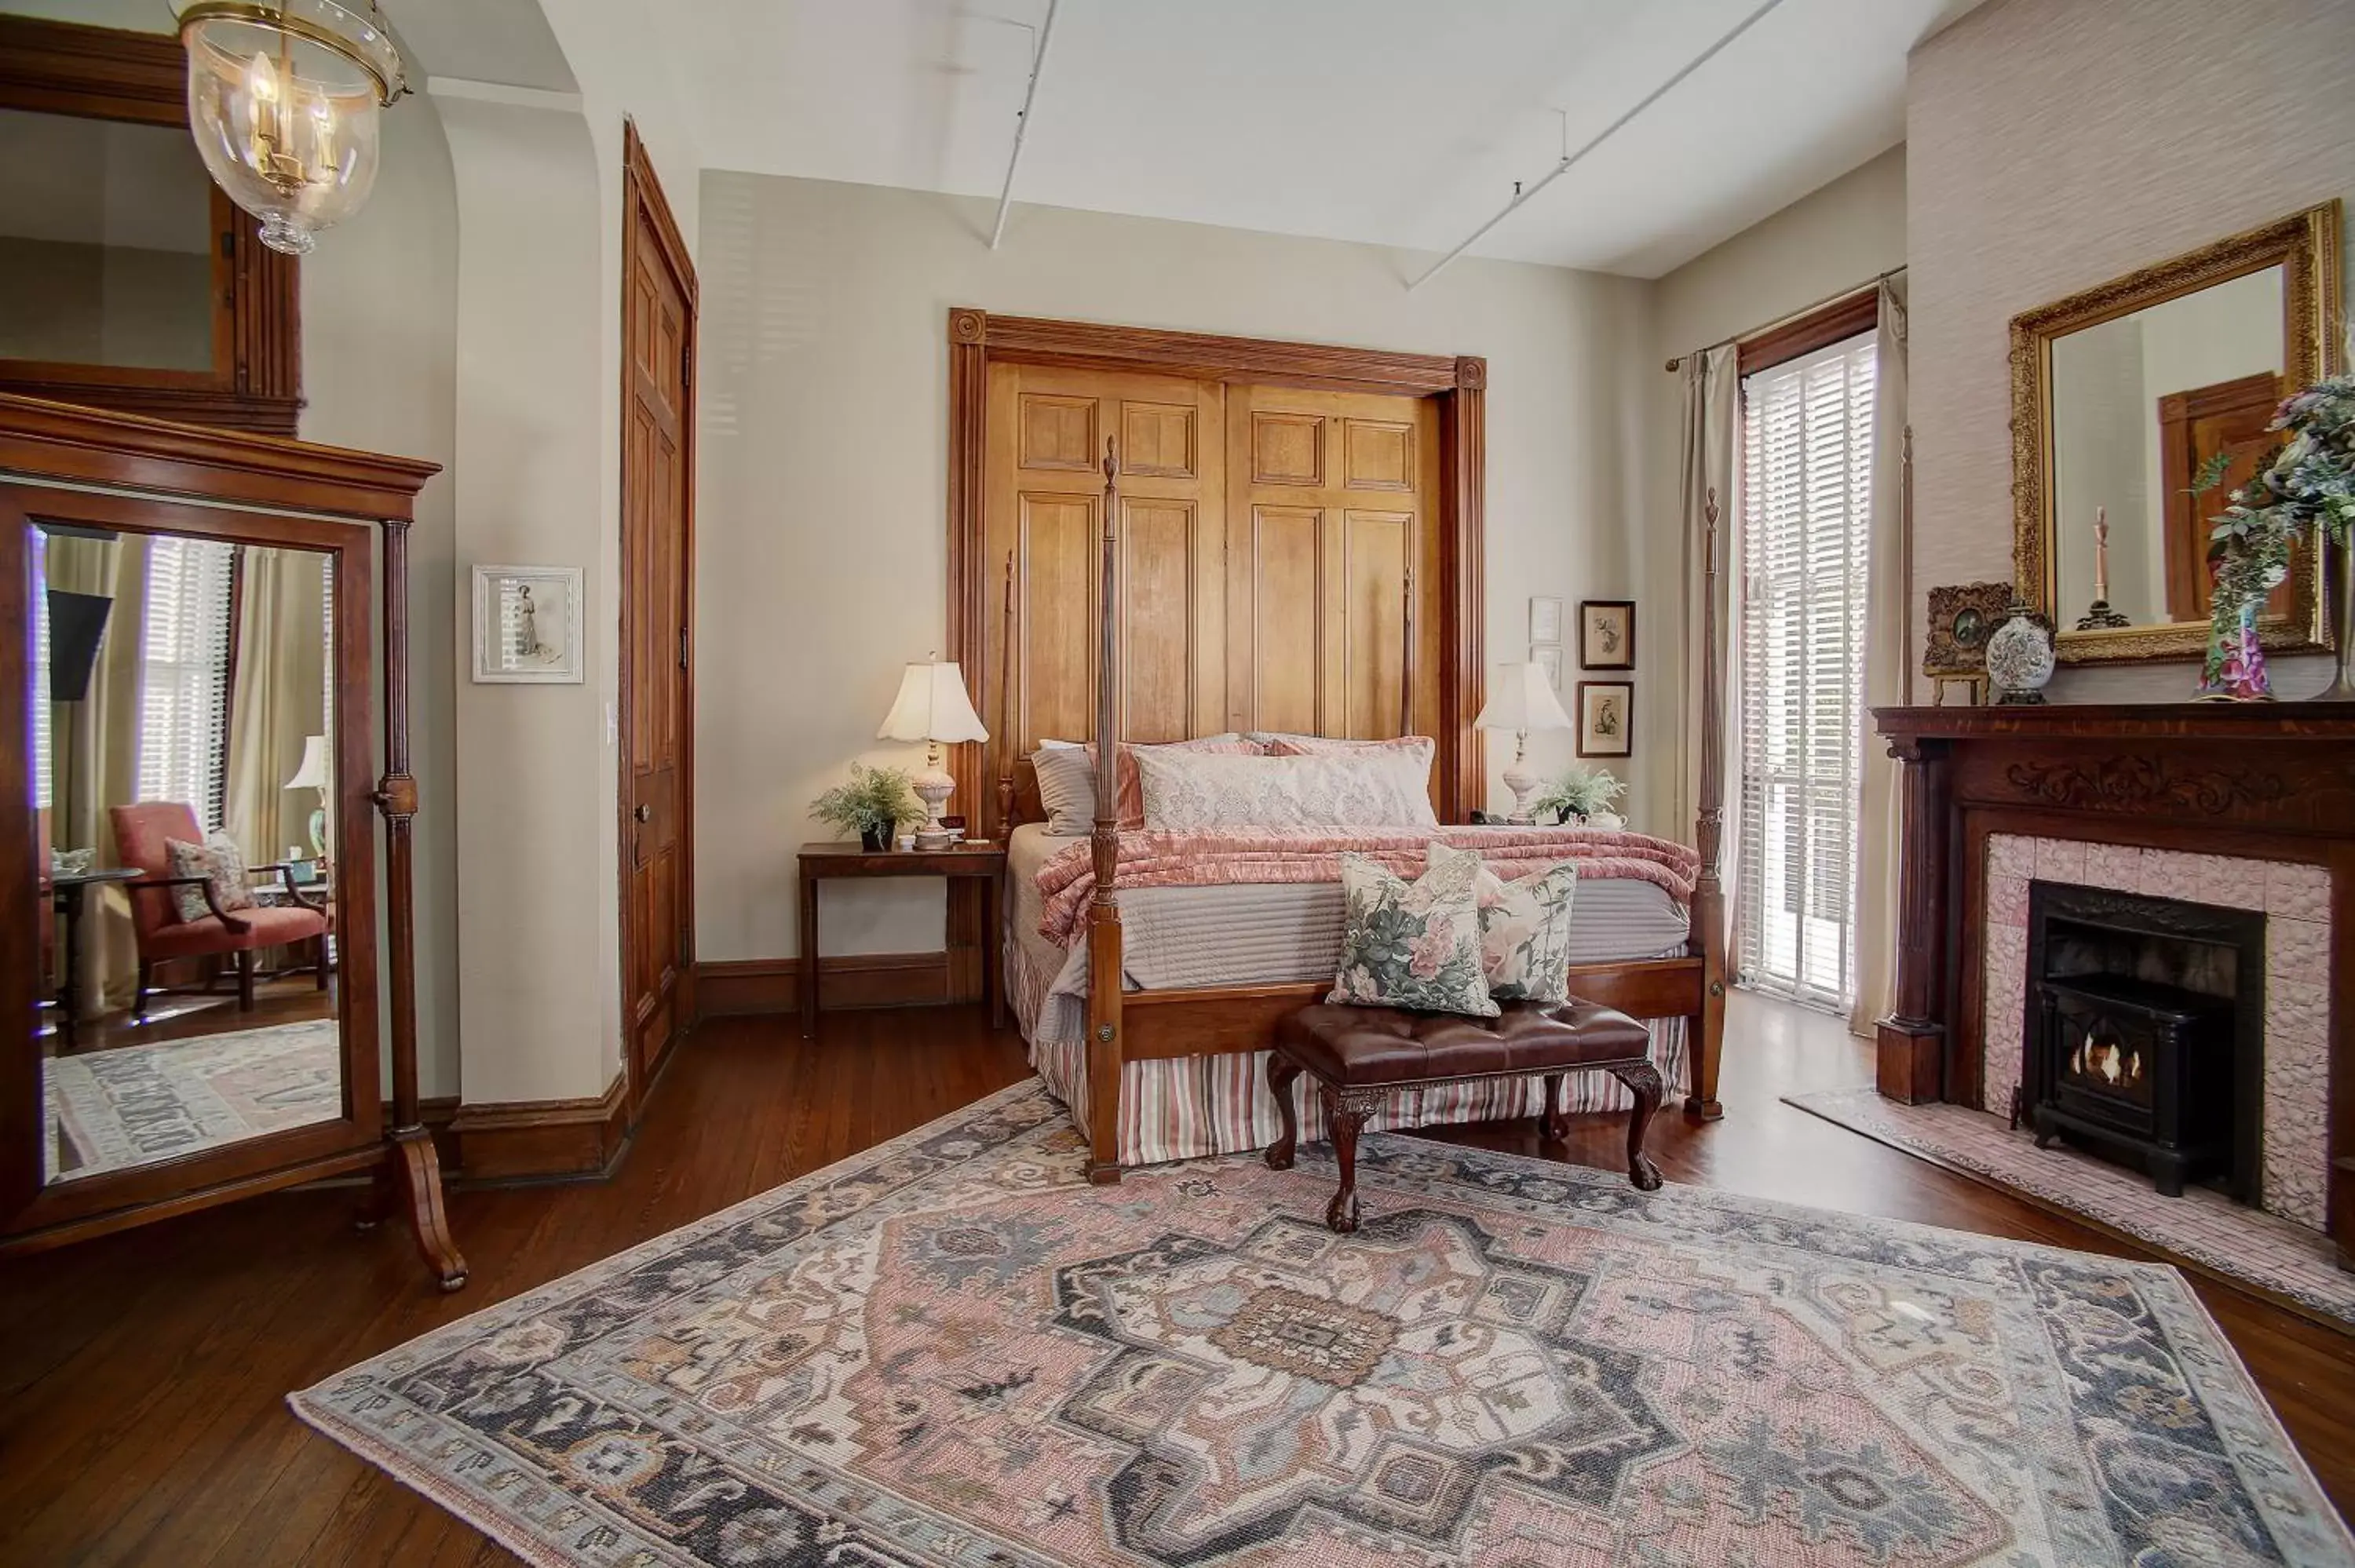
(2140, 405)
(182, 707)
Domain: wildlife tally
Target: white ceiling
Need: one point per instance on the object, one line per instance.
(1400, 122)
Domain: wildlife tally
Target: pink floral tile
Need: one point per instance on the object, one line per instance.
(2060, 860)
(2297, 1013)
(2115, 866)
(2009, 855)
(2297, 948)
(2168, 874)
(2300, 892)
(2007, 902)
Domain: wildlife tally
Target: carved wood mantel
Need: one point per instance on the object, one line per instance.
(2258, 781)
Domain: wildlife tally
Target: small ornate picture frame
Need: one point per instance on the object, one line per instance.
(1606, 718)
(1545, 618)
(1606, 634)
(1548, 657)
(528, 625)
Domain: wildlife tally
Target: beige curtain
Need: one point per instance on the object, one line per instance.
(94, 751)
(276, 700)
(1888, 667)
(1710, 505)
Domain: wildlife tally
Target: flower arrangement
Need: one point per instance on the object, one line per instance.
(873, 805)
(1581, 792)
(2308, 485)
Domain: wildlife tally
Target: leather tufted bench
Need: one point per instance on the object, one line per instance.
(1359, 1056)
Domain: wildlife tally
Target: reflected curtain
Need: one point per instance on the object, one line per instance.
(275, 701)
(1709, 499)
(1888, 666)
(94, 751)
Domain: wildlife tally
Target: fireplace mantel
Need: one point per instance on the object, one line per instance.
(2256, 782)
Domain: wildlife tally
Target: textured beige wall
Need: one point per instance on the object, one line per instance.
(2056, 144)
(1851, 230)
(822, 532)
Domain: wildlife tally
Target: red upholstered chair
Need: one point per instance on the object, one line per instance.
(140, 835)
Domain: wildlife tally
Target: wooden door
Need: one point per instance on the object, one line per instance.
(2230, 418)
(658, 596)
(1044, 499)
(1332, 563)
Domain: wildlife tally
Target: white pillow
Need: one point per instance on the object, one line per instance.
(1187, 793)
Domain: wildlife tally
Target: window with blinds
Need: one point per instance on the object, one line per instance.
(1806, 499)
(184, 674)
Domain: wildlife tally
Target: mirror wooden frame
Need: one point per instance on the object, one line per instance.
(119, 471)
(2305, 245)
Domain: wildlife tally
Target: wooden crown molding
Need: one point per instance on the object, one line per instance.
(1033, 340)
(66, 68)
(61, 440)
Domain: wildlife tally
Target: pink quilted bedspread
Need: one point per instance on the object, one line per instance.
(1068, 882)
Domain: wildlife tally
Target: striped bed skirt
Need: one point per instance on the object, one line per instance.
(1185, 1107)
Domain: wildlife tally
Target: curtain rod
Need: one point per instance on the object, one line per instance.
(1785, 320)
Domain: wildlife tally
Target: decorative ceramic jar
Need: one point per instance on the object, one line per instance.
(2235, 668)
(2020, 654)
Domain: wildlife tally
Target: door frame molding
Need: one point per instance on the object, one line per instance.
(977, 340)
(643, 198)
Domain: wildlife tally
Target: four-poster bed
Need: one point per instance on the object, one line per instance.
(1388, 507)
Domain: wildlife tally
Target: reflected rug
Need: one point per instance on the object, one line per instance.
(136, 1104)
(951, 1351)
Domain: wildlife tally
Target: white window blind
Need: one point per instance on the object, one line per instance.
(184, 675)
(1806, 476)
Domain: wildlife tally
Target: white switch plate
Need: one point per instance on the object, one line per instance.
(612, 729)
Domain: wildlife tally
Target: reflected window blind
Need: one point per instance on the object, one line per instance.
(1806, 476)
(184, 674)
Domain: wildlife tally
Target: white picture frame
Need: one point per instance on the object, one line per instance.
(1545, 618)
(527, 626)
(1548, 657)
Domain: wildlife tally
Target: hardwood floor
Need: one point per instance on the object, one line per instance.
(142, 1376)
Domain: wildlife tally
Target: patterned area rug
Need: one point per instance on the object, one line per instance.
(950, 1350)
(139, 1104)
(2203, 1227)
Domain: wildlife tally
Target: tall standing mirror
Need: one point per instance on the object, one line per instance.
(2125, 396)
(182, 693)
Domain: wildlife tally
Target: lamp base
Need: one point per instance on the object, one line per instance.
(1523, 784)
(934, 787)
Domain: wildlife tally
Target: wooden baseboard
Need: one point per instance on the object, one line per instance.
(850, 979)
(538, 1140)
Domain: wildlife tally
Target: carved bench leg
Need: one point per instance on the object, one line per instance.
(1281, 1072)
(1555, 1122)
(1346, 1111)
(1643, 1081)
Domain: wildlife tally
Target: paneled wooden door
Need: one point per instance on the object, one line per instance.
(1332, 563)
(656, 716)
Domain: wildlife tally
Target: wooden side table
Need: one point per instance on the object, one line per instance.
(983, 860)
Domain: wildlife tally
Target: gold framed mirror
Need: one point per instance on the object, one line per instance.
(2120, 393)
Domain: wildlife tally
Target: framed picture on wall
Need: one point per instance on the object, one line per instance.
(1548, 657)
(1606, 634)
(1545, 619)
(528, 625)
(1606, 718)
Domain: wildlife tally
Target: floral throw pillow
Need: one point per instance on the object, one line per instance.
(1413, 944)
(1525, 933)
(220, 863)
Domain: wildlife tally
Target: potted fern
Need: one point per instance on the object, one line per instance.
(873, 805)
(1586, 794)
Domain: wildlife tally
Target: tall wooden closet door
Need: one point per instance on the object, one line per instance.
(1045, 493)
(1332, 563)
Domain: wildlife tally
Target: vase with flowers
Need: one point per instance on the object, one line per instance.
(2305, 491)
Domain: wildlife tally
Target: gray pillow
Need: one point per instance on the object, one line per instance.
(1066, 788)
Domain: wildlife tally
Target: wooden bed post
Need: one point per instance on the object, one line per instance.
(1103, 912)
(1007, 745)
(1708, 1025)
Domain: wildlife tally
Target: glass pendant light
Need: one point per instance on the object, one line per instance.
(284, 100)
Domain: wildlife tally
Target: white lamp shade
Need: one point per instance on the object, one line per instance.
(1521, 699)
(932, 706)
(314, 773)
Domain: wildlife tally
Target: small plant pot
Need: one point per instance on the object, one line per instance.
(876, 838)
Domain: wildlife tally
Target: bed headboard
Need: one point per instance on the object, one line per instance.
(1297, 544)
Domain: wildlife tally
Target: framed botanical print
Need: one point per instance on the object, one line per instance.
(1606, 634)
(528, 625)
(1606, 718)
(1545, 618)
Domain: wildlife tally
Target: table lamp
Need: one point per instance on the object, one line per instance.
(1521, 699)
(933, 707)
(314, 774)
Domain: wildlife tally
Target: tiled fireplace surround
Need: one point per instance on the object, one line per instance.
(2295, 899)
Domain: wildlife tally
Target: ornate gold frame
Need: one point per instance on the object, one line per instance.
(2305, 245)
